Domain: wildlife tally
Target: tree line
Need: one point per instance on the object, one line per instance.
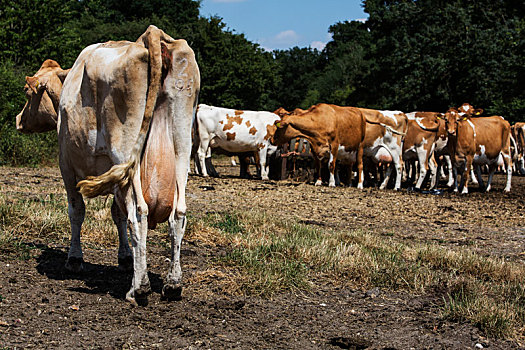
(409, 55)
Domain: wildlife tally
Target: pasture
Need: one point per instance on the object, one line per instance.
(271, 265)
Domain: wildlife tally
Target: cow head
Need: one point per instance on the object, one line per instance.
(281, 132)
(452, 118)
(469, 110)
(43, 95)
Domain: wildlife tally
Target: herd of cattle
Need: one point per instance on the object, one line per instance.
(127, 120)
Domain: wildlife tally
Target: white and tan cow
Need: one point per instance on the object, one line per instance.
(40, 114)
(383, 140)
(425, 142)
(234, 131)
(478, 141)
(124, 128)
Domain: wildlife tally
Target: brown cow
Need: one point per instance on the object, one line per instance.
(332, 131)
(477, 141)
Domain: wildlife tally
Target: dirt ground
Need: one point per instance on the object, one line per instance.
(43, 306)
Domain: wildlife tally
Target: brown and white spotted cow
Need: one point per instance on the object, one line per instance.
(124, 127)
(334, 132)
(478, 141)
(234, 131)
(42, 90)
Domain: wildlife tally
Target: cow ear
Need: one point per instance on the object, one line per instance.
(478, 111)
(280, 124)
(33, 83)
(167, 56)
(63, 74)
(439, 116)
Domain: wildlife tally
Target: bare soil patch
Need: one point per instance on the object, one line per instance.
(43, 306)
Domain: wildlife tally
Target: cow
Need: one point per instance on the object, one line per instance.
(42, 90)
(40, 114)
(477, 141)
(124, 128)
(518, 133)
(234, 131)
(383, 140)
(333, 132)
(427, 137)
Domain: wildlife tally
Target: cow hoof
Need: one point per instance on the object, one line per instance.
(125, 264)
(74, 265)
(139, 297)
(172, 291)
(318, 183)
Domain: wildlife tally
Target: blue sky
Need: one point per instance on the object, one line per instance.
(281, 24)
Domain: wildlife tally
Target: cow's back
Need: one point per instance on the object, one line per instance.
(349, 125)
(102, 96)
(491, 133)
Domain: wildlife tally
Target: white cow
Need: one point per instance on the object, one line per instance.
(124, 128)
(234, 131)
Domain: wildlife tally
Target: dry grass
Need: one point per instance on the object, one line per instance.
(266, 255)
(277, 255)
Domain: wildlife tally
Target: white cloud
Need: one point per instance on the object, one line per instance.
(282, 40)
(319, 45)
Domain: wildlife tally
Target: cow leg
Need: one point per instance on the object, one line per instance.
(423, 160)
(262, 163)
(201, 153)
(508, 162)
(125, 258)
(76, 212)
(172, 289)
(473, 177)
(480, 179)
(331, 164)
(137, 210)
(450, 170)
(317, 165)
(399, 170)
(465, 177)
(387, 176)
(359, 160)
(435, 165)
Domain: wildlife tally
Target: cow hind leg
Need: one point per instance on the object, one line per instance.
(76, 212)
(172, 289)
(262, 163)
(480, 179)
(508, 160)
(125, 258)
(138, 224)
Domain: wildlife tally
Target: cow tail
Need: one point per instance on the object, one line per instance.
(122, 174)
